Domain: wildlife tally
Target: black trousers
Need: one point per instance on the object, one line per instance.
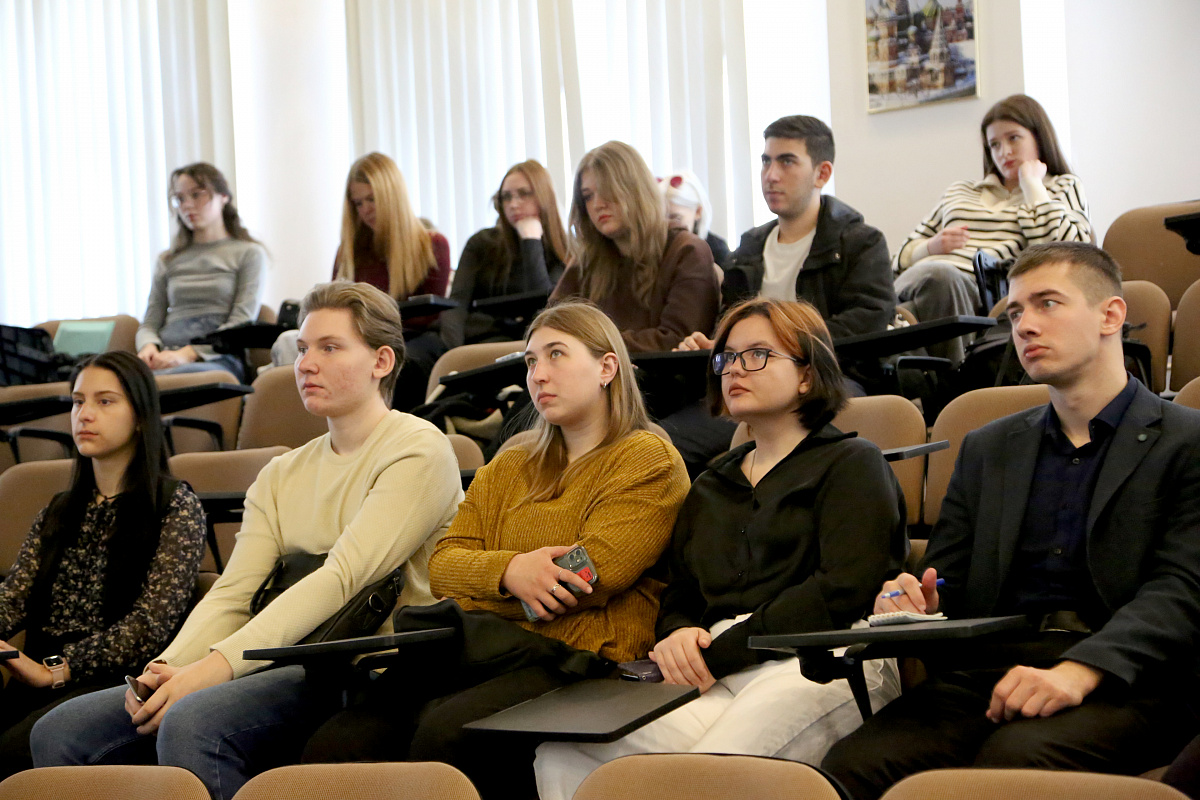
(941, 723)
(1184, 773)
(400, 719)
(20, 707)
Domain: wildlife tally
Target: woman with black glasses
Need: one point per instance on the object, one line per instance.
(784, 534)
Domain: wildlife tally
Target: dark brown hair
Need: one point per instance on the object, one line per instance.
(1029, 114)
(802, 334)
(817, 138)
(1093, 270)
(208, 177)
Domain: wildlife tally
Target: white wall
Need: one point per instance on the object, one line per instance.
(893, 166)
(1133, 76)
(291, 124)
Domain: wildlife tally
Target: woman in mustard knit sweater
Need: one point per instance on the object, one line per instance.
(594, 477)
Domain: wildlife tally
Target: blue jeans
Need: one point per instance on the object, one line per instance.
(223, 735)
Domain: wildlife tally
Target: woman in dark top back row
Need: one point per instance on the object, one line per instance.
(523, 252)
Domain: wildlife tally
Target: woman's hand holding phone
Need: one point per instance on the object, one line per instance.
(534, 578)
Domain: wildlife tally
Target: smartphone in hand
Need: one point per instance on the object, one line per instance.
(140, 690)
(576, 560)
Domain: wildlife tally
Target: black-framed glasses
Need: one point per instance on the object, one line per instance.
(752, 360)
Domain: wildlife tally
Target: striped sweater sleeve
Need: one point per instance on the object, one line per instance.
(1062, 217)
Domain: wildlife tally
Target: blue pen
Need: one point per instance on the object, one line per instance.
(898, 592)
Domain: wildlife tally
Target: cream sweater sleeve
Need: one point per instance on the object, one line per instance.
(412, 492)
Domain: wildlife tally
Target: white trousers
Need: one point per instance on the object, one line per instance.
(766, 710)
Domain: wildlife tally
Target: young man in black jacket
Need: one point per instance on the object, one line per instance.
(1082, 515)
(817, 249)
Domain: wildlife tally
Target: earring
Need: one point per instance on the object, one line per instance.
(604, 385)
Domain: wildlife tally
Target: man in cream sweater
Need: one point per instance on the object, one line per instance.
(376, 492)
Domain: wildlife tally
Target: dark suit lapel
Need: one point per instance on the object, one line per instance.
(1020, 458)
(1137, 433)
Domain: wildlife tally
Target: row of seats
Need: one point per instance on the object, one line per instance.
(663, 776)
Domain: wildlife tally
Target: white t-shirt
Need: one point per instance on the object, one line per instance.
(782, 263)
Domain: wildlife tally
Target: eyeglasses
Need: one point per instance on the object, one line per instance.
(519, 194)
(752, 360)
(198, 197)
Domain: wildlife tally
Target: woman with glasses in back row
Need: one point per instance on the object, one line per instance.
(208, 280)
(784, 534)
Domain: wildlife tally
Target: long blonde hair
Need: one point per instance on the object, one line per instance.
(622, 177)
(549, 472)
(399, 238)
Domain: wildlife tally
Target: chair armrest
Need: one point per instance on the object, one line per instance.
(211, 427)
(220, 507)
(915, 450)
(61, 438)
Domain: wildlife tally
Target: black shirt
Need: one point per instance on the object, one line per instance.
(804, 550)
(1049, 570)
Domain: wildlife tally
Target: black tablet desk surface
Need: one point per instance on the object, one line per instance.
(525, 304)
(911, 337)
(347, 647)
(599, 710)
(913, 632)
(173, 401)
(19, 411)
(425, 305)
(241, 337)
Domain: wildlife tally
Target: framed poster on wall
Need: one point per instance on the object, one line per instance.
(920, 53)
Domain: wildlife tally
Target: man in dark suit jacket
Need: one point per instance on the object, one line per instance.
(1084, 515)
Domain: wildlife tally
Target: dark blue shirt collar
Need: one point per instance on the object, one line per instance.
(1110, 416)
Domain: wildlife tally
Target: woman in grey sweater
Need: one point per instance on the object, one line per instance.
(209, 279)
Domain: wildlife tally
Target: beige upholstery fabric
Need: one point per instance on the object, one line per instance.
(468, 453)
(1185, 356)
(469, 356)
(275, 414)
(1149, 305)
(36, 449)
(889, 421)
(392, 781)
(1027, 784)
(26, 489)
(688, 776)
(227, 412)
(104, 782)
(962, 415)
(228, 471)
(1147, 251)
(1189, 395)
(123, 333)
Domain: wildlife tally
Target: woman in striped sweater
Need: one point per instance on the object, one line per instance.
(1027, 196)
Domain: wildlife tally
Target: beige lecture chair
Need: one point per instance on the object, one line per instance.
(387, 781)
(1027, 784)
(275, 414)
(1146, 250)
(104, 782)
(684, 776)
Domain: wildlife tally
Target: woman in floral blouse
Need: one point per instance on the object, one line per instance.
(107, 571)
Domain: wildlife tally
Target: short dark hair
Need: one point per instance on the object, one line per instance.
(1094, 270)
(817, 137)
(803, 334)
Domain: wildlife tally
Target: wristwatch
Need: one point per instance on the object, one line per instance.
(59, 671)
